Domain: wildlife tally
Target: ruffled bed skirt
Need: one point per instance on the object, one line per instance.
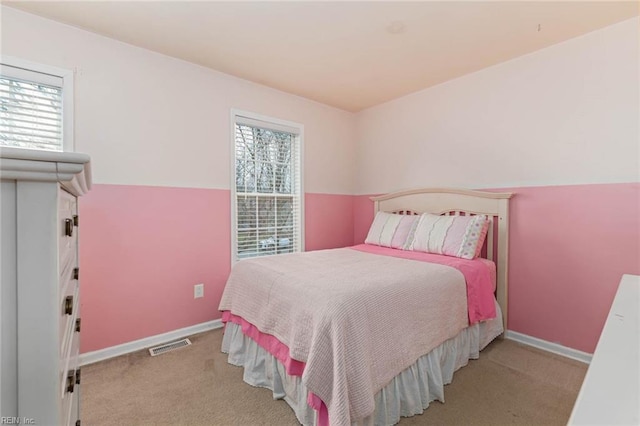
(408, 394)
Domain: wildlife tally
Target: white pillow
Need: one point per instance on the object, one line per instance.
(459, 236)
(392, 230)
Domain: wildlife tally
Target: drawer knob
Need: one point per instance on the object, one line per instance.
(68, 305)
(78, 321)
(78, 376)
(71, 381)
(75, 220)
(68, 227)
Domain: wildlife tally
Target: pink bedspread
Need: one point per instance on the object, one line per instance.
(478, 273)
(264, 278)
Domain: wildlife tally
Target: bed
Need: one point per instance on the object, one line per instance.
(371, 333)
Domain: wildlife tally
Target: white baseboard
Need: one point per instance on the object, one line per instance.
(549, 346)
(147, 342)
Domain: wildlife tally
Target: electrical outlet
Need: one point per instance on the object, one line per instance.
(198, 291)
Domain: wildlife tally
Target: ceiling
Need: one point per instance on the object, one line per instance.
(351, 55)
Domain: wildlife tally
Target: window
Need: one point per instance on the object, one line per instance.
(35, 110)
(267, 186)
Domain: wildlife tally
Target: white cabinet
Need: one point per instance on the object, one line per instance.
(40, 294)
(610, 393)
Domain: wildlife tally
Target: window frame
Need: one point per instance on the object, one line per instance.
(68, 113)
(276, 122)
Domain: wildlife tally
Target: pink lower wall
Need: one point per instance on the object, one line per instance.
(328, 221)
(569, 247)
(143, 248)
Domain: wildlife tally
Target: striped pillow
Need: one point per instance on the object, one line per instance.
(392, 230)
(459, 236)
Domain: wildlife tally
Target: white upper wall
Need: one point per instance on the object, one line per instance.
(567, 114)
(148, 119)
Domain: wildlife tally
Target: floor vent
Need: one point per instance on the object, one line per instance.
(168, 347)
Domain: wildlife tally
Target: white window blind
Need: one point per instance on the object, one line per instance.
(31, 106)
(267, 195)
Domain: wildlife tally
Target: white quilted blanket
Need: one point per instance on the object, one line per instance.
(356, 319)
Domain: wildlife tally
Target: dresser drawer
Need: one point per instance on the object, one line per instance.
(74, 414)
(67, 322)
(67, 219)
(69, 362)
(69, 406)
(68, 274)
(67, 245)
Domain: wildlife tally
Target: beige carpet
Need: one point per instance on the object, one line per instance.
(511, 384)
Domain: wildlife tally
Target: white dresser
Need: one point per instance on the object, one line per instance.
(40, 293)
(610, 393)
